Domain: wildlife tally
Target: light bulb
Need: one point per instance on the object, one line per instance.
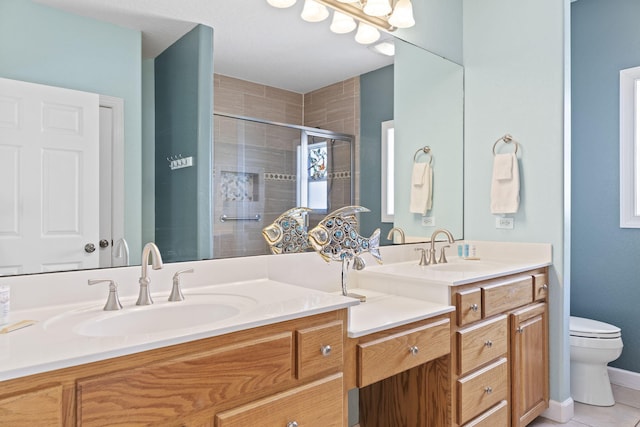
(377, 7)
(314, 12)
(281, 4)
(366, 34)
(341, 23)
(402, 16)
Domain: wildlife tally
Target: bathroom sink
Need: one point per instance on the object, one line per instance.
(195, 311)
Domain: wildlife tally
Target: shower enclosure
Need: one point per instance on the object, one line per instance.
(263, 168)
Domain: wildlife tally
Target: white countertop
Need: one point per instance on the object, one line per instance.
(383, 311)
(271, 288)
(51, 343)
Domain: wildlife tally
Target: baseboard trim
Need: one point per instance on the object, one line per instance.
(621, 377)
(560, 412)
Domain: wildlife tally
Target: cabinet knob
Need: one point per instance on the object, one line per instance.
(292, 424)
(545, 286)
(413, 350)
(520, 329)
(473, 307)
(488, 343)
(488, 390)
(325, 350)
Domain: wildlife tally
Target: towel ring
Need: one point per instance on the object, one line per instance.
(426, 150)
(507, 139)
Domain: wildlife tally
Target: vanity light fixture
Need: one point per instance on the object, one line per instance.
(341, 23)
(373, 15)
(314, 11)
(366, 34)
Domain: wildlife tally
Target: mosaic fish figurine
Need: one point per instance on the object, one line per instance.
(288, 233)
(335, 237)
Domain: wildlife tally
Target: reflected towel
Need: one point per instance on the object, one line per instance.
(505, 184)
(421, 188)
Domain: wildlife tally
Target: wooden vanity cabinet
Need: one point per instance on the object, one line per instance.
(403, 374)
(500, 345)
(252, 377)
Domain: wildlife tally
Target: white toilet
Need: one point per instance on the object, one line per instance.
(593, 345)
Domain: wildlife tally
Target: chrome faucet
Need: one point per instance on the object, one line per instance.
(400, 232)
(144, 298)
(432, 249)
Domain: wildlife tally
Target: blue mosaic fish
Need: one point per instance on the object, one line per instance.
(288, 233)
(335, 237)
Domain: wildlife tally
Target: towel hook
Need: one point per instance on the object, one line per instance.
(426, 150)
(507, 139)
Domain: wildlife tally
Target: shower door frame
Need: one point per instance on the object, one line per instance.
(306, 132)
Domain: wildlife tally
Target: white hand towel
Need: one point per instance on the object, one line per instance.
(505, 184)
(421, 188)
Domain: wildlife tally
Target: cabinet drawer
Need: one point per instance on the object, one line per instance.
(319, 403)
(504, 296)
(496, 416)
(481, 390)
(319, 349)
(540, 287)
(396, 353)
(38, 407)
(481, 343)
(468, 306)
(182, 386)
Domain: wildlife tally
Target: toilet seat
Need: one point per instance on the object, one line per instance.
(588, 328)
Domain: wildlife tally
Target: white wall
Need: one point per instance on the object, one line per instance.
(514, 59)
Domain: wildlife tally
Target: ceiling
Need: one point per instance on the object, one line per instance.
(252, 40)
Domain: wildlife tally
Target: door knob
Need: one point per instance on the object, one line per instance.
(89, 248)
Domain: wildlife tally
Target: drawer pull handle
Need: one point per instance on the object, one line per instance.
(325, 350)
(292, 424)
(473, 307)
(488, 390)
(413, 350)
(488, 343)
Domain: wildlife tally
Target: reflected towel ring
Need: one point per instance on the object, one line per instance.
(426, 150)
(507, 139)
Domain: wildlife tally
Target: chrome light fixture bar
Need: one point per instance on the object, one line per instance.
(356, 11)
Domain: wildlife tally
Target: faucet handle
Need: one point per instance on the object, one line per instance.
(113, 302)
(423, 256)
(176, 292)
(443, 257)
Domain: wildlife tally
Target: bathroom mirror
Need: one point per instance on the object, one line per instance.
(138, 198)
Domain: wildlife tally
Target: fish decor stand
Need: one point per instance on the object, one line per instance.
(336, 238)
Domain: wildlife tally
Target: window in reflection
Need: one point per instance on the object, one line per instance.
(387, 172)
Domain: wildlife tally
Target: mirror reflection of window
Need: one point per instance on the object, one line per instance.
(387, 173)
(313, 167)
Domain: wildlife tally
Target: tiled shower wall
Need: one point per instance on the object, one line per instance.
(266, 153)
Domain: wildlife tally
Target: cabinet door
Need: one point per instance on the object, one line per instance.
(530, 363)
(38, 407)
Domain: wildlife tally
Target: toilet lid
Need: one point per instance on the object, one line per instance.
(588, 328)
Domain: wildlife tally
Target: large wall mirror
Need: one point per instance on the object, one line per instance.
(68, 45)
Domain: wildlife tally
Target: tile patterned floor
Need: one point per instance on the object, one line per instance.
(625, 413)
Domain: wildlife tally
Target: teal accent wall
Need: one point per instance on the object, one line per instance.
(43, 45)
(184, 123)
(376, 106)
(605, 271)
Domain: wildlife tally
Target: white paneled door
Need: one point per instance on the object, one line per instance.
(49, 178)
